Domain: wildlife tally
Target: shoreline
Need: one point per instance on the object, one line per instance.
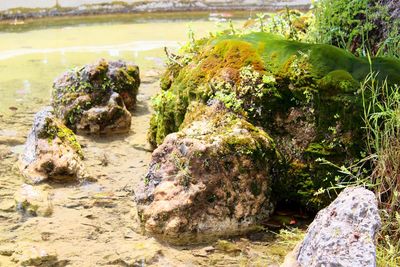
(16, 14)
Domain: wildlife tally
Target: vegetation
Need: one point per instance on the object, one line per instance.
(356, 90)
(382, 119)
(360, 26)
(372, 27)
(261, 76)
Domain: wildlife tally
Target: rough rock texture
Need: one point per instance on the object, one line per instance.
(30, 255)
(34, 200)
(94, 99)
(343, 234)
(210, 179)
(305, 96)
(51, 151)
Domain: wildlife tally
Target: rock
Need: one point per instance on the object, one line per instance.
(211, 179)
(11, 140)
(34, 200)
(343, 234)
(32, 255)
(7, 205)
(136, 254)
(7, 250)
(94, 99)
(305, 96)
(51, 152)
(97, 119)
(291, 258)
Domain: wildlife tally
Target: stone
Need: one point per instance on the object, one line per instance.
(95, 99)
(211, 179)
(34, 200)
(136, 254)
(51, 152)
(32, 255)
(343, 234)
(7, 205)
(305, 96)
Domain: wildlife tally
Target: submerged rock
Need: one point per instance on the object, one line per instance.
(94, 99)
(51, 152)
(343, 234)
(34, 200)
(32, 255)
(305, 96)
(211, 179)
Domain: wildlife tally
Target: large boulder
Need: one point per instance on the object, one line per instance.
(305, 96)
(51, 152)
(94, 99)
(343, 234)
(211, 179)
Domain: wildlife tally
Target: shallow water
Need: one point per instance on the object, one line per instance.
(91, 224)
(31, 59)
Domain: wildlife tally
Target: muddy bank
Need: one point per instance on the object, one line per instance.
(11, 10)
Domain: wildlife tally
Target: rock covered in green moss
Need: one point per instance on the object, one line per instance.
(52, 151)
(94, 99)
(211, 179)
(305, 96)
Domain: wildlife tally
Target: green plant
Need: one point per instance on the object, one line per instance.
(359, 25)
(379, 169)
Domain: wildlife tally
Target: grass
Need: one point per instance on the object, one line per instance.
(382, 124)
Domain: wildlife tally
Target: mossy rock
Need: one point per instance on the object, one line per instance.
(95, 98)
(52, 152)
(211, 179)
(306, 96)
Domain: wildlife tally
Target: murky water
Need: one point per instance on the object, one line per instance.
(91, 224)
(31, 59)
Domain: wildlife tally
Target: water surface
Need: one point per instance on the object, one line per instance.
(32, 56)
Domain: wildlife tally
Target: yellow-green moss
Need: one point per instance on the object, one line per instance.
(55, 128)
(317, 83)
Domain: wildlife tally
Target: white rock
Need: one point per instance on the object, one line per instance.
(343, 234)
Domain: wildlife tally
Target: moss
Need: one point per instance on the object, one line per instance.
(297, 67)
(338, 81)
(91, 85)
(304, 95)
(55, 129)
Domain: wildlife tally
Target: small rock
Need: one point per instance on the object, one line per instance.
(7, 250)
(51, 152)
(31, 255)
(11, 140)
(7, 205)
(343, 234)
(227, 246)
(137, 254)
(95, 99)
(34, 200)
